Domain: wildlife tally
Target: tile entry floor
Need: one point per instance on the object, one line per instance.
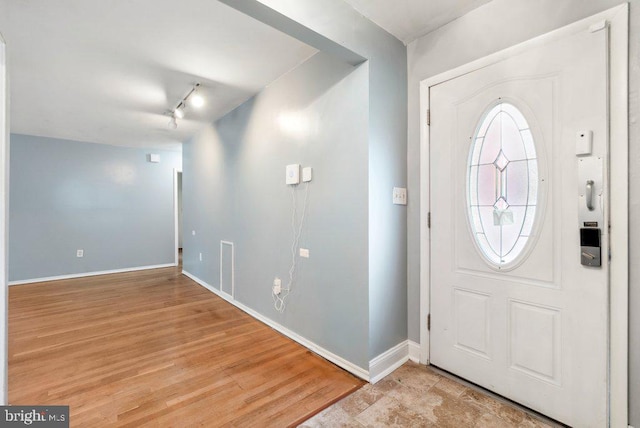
(417, 396)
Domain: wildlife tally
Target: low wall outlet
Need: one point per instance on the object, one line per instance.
(293, 174)
(277, 286)
(193, 232)
(200, 256)
(400, 196)
(306, 174)
(304, 252)
(80, 253)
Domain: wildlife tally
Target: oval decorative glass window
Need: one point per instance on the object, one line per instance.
(502, 184)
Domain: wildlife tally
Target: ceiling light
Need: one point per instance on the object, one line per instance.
(178, 112)
(196, 100)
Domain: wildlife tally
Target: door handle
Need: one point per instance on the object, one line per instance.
(589, 195)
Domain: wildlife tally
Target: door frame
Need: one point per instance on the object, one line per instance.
(176, 223)
(617, 19)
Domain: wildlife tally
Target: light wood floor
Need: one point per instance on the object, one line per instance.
(154, 348)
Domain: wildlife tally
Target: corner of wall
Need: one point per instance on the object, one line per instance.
(387, 222)
(388, 361)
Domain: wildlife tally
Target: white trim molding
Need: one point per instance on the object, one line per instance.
(388, 361)
(335, 359)
(619, 216)
(618, 19)
(85, 274)
(414, 351)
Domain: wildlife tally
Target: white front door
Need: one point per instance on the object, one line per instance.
(512, 307)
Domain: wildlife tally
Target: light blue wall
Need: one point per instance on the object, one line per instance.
(474, 36)
(107, 200)
(234, 190)
(337, 29)
(338, 22)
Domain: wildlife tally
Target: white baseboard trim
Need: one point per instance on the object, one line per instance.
(388, 361)
(84, 274)
(414, 351)
(335, 359)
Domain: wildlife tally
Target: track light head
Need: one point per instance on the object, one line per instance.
(179, 111)
(173, 123)
(196, 100)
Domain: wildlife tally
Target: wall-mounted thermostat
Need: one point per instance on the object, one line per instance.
(293, 174)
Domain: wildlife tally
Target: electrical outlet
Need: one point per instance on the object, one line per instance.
(193, 232)
(277, 286)
(200, 256)
(304, 252)
(80, 253)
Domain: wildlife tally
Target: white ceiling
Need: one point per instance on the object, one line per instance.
(410, 19)
(108, 71)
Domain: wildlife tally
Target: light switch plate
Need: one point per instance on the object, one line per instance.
(400, 196)
(293, 174)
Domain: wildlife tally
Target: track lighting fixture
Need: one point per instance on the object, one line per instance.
(194, 98)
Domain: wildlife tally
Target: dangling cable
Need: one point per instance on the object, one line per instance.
(279, 299)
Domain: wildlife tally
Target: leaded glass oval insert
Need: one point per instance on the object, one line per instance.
(502, 184)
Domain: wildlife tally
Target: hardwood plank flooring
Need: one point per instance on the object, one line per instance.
(153, 348)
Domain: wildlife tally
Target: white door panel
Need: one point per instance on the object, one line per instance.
(533, 326)
(535, 95)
